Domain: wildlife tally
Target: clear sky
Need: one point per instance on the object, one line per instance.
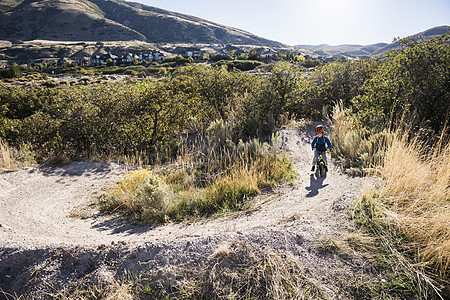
(315, 22)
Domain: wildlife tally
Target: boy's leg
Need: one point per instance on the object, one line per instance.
(315, 158)
(325, 160)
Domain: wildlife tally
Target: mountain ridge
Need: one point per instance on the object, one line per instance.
(113, 20)
(372, 50)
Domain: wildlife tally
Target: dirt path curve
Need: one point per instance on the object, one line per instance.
(41, 207)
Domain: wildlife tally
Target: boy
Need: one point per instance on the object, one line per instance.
(320, 143)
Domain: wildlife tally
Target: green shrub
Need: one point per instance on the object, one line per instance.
(141, 195)
(12, 71)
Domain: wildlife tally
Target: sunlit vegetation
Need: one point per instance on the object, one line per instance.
(211, 179)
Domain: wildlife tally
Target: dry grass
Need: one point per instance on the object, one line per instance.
(416, 189)
(11, 158)
(410, 210)
(240, 271)
(208, 178)
(142, 195)
(115, 290)
(359, 150)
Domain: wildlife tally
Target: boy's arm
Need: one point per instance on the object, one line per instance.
(313, 144)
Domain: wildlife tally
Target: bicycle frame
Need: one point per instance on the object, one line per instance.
(320, 165)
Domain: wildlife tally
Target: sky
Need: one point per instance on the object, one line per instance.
(313, 22)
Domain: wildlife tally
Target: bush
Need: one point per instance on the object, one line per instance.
(141, 195)
(12, 71)
(204, 182)
(242, 65)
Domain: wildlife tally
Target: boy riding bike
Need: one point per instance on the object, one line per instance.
(320, 144)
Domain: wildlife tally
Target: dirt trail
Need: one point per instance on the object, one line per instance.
(41, 209)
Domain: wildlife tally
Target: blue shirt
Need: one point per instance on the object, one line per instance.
(321, 143)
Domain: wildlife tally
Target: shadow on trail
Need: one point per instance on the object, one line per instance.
(117, 225)
(315, 185)
(78, 168)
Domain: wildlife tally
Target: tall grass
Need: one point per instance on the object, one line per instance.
(208, 177)
(358, 149)
(15, 157)
(416, 190)
(410, 210)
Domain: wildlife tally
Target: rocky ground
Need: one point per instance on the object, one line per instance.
(51, 234)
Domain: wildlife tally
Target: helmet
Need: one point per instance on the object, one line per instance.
(319, 129)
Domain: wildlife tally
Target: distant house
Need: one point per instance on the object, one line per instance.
(146, 56)
(95, 60)
(101, 60)
(153, 55)
(223, 54)
(158, 56)
(112, 57)
(128, 58)
(228, 49)
(269, 54)
(195, 53)
(84, 61)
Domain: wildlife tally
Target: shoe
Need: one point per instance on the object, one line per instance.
(312, 169)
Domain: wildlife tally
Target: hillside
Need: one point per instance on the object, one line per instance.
(112, 20)
(6, 5)
(374, 50)
(68, 20)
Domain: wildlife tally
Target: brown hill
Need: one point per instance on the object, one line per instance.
(112, 20)
(63, 20)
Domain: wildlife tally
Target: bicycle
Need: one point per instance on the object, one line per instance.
(321, 169)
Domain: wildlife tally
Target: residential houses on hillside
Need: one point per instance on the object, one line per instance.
(196, 53)
(103, 59)
(226, 52)
(186, 52)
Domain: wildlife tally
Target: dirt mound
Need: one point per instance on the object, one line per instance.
(50, 233)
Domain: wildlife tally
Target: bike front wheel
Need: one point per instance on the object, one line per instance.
(322, 171)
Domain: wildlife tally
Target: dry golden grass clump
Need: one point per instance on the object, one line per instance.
(141, 194)
(417, 191)
(410, 209)
(11, 157)
(356, 148)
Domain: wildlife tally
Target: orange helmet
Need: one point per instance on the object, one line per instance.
(319, 129)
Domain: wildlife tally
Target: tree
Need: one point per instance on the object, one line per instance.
(417, 78)
(299, 58)
(12, 71)
(282, 87)
(253, 55)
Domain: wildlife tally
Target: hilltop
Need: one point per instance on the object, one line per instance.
(112, 20)
(373, 50)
